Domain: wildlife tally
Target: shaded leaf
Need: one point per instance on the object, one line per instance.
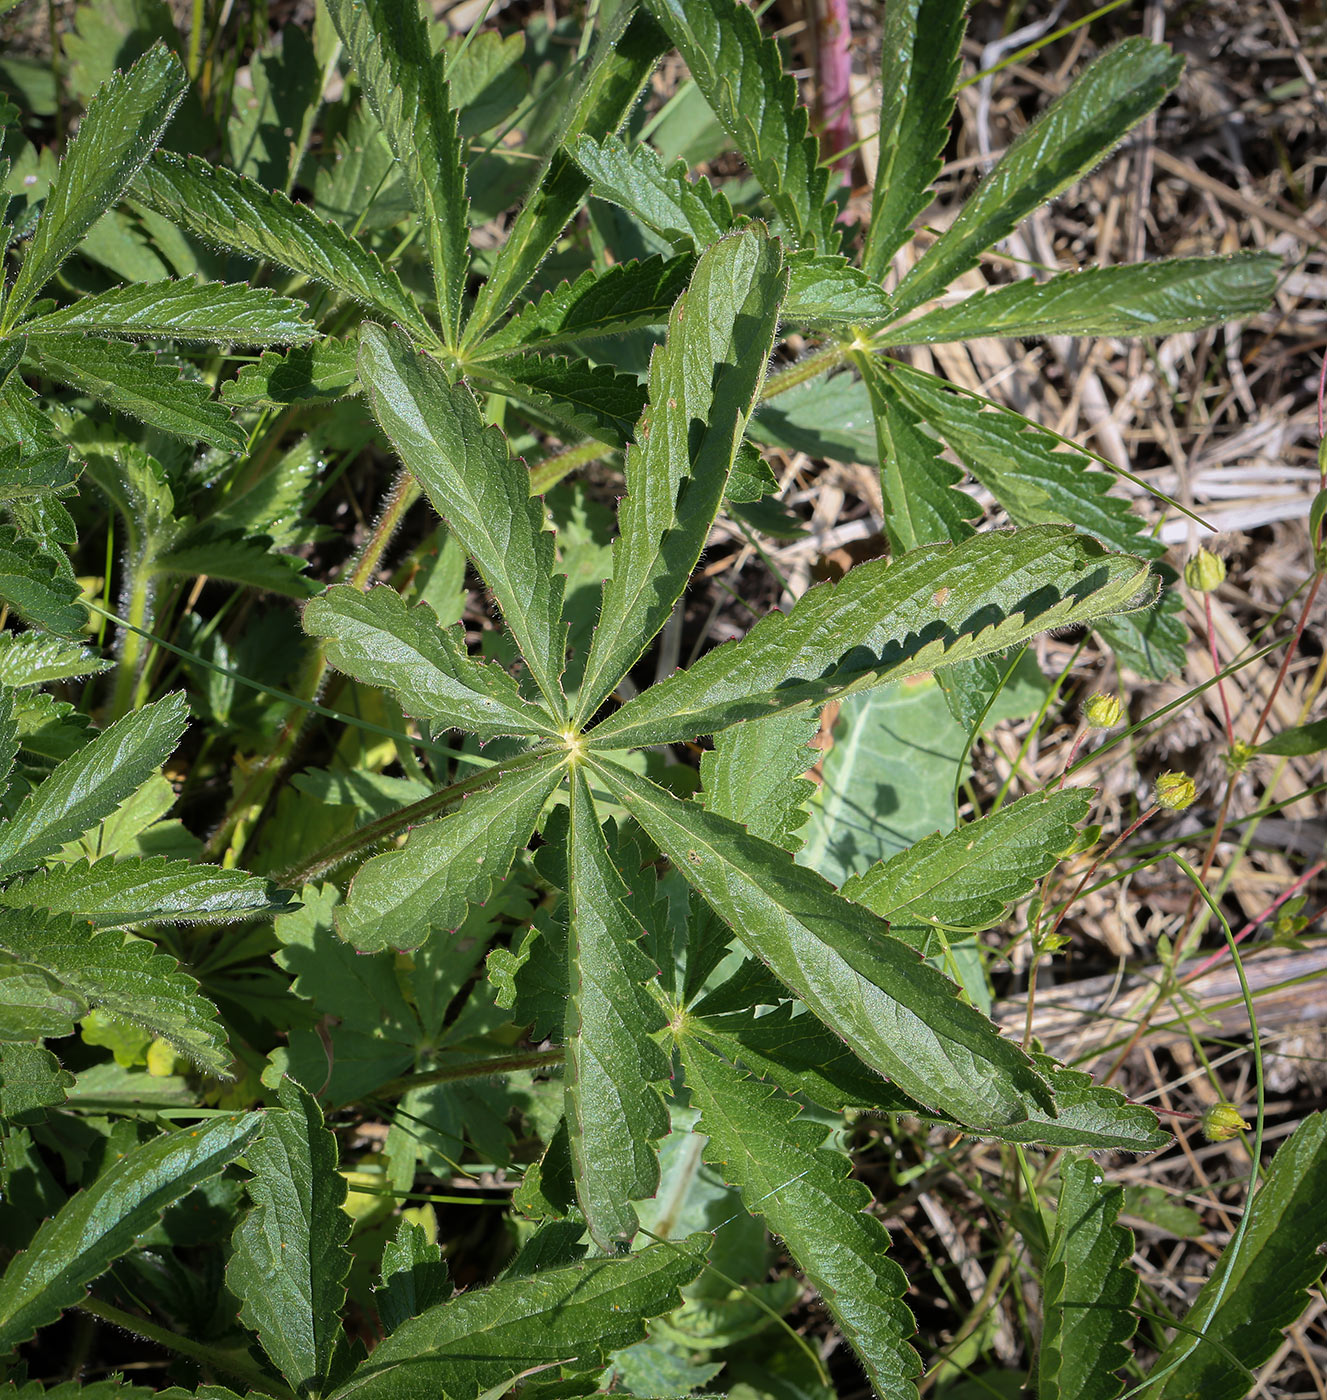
(320, 373)
(753, 775)
(414, 1277)
(587, 398)
(35, 588)
(96, 1226)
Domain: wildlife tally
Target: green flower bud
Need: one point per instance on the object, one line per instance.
(1175, 791)
(1239, 756)
(1205, 572)
(1103, 711)
(1221, 1122)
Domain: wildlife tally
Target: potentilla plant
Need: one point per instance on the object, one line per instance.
(684, 974)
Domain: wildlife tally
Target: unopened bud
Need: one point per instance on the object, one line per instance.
(1175, 791)
(1239, 756)
(1205, 572)
(1103, 711)
(1221, 1122)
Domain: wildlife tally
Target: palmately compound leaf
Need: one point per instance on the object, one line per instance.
(91, 784)
(885, 620)
(32, 584)
(214, 313)
(319, 373)
(613, 1111)
(1155, 298)
(1109, 98)
(897, 1014)
(918, 75)
(483, 1340)
(118, 132)
(740, 72)
(135, 381)
(398, 898)
(125, 976)
(622, 60)
(231, 212)
(98, 1225)
(1257, 1288)
(825, 289)
(381, 640)
(290, 1260)
(1088, 1288)
(113, 893)
(809, 1201)
(479, 489)
(619, 298)
(594, 400)
(663, 198)
(29, 658)
(703, 385)
(404, 83)
(753, 775)
(968, 877)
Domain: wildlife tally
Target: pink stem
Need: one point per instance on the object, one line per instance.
(833, 91)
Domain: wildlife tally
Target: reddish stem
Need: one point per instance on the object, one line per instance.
(833, 34)
(1216, 670)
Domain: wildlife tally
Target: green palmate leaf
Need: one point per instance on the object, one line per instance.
(919, 487)
(808, 1199)
(380, 640)
(214, 312)
(122, 124)
(882, 621)
(1147, 299)
(662, 197)
(588, 398)
(399, 897)
(404, 83)
(96, 1226)
(918, 72)
(898, 1015)
(614, 1114)
(91, 785)
(1257, 1287)
(234, 213)
(1036, 480)
(142, 890)
(707, 372)
(29, 658)
(621, 298)
(753, 775)
(34, 1005)
(1088, 1288)
(826, 290)
(32, 585)
(30, 475)
(290, 1260)
(483, 1340)
(136, 382)
(318, 373)
(741, 74)
(414, 1277)
(622, 59)
(1115, 93)
(126, 977)
(967, 878)
(478, 488)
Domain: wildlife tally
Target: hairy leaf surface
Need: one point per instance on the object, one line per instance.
(613, 1111)
(290, 1260)
(1109, 98)
(479, 489)
(900, 1016)
(399, 897)
(32, 584)
(29, 658)
(486, 1338)
(381, 640)
(703, 384)
(885, 620)
(96, 1226)
(808, 1199)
